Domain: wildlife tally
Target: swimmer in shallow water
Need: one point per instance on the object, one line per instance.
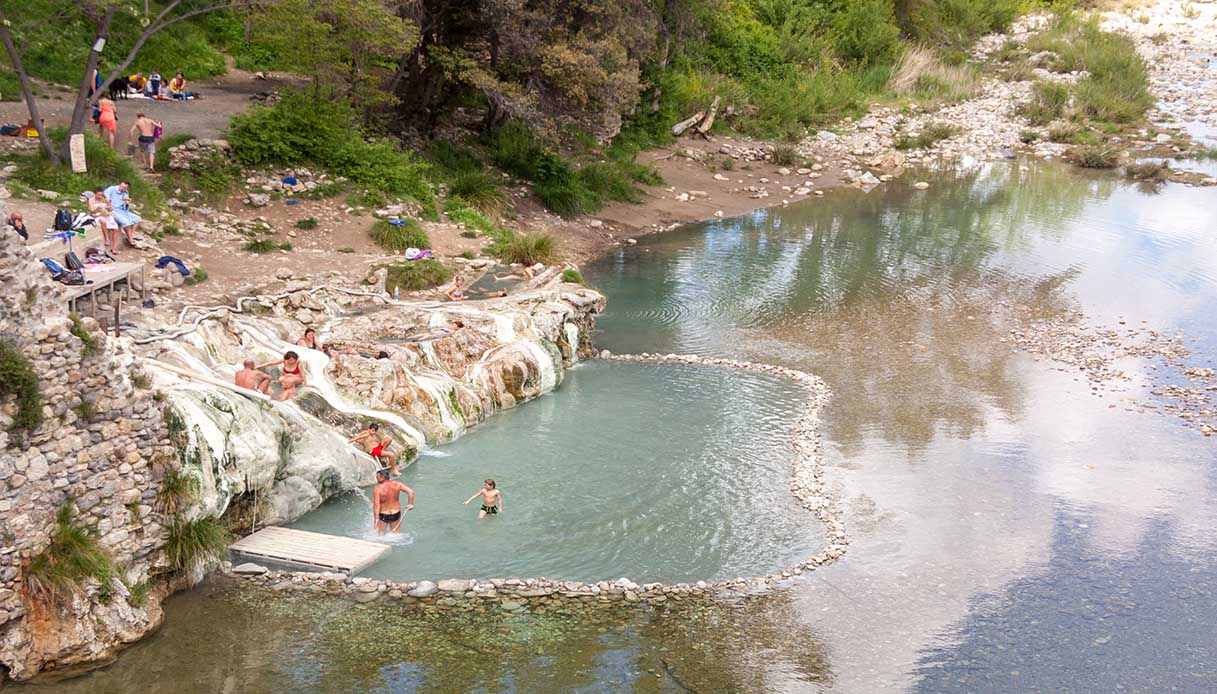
(386, 503)
(457, 293)
(492, 499)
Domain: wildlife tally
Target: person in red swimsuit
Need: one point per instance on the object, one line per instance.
(376, 444)
(292, 376)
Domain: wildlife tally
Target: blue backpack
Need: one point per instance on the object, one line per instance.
(53, 267)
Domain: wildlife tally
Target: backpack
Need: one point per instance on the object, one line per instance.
(73, 278)
(72, 261)
(63, 220)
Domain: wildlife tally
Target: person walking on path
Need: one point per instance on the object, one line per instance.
(145, 127)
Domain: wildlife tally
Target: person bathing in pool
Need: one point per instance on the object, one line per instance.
(492, 499)
(457, 293)
(292, 376)
(386, 503)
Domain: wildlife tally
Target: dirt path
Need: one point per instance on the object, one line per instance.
(205, 117)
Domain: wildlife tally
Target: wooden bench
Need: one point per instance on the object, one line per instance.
(111, 277)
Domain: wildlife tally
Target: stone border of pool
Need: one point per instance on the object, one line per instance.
(806, 484)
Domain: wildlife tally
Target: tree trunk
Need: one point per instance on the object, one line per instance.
(77, 124)
(14, 59)
(704, 128)
(687, 123)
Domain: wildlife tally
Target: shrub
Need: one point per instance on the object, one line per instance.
(214, 175)
(469, 234)
(566, 196)
(17, 377)
(468, 255)
(573, 276)
(196, 543)
(1095, 157)
(72, 557)
(10, 86)
(929, 135)
(1117, 87)
(452, 158)
(302, 128)
(321, 191)
(608, 180)
(196, 277)
(514, 149)
(399, 237)
(865, 32)
(415, 275)
(1047, 103)
(539, 248)
(1148, 170)
(307, 223)
(957, 23)
(266, 246)
(1028, 136)
(478, 190)
(784, 155)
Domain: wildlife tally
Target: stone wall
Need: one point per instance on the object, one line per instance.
(94, 449)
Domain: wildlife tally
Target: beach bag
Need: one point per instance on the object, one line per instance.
(72, 278)
(72, 261)
(53, 267)
(63, 220)
(96, 113)
(157, 131)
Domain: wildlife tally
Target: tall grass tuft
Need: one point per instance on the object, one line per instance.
(177, 489)
(1148, 170)
(1095, 157)
(196, 543)
(1048, 102)
(478, 190)
(17, 377)
(538, 248)
(415, 275)
(922, 73)
(1117, 86)
(72, 557)
(398, 238)
(929, 135)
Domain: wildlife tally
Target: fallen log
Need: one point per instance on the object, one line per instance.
(708, 123)
(679, 128)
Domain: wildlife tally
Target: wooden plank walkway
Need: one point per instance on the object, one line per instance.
(308, 550)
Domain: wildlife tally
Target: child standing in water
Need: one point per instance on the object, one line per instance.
(492, 499)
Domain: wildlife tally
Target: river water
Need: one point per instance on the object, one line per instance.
(1012, 530)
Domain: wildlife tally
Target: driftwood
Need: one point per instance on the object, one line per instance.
(709, 121)
(679, 128)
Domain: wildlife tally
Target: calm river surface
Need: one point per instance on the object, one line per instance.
(1012, 531)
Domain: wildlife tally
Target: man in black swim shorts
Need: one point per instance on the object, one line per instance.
(386, 502)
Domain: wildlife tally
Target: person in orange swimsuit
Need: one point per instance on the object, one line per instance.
(107, 120)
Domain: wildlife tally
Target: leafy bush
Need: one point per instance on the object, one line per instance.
(196, 543)
(929, 135)
(266, 246)
(865, 32)
(452, 159)
(1095, 157)
(1063, 132)
(539, 248)
(321, 191)
(10, 86)
(309, 129)
(307, 223)
(567, 197)
(573, 276)
(415, 275)
(1117, 87)
(106, 168)
(957, 23)
(72, 557)
(17, 377)
(478, 190)
(398, 238)
(1028, 136)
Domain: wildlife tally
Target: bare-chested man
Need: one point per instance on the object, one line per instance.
(376, 443)
(146, 128)
(386, 502)
(251, 378)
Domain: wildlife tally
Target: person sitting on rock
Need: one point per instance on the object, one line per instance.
(17, 222)
(292, 376)
(253, 379)
(309, 339)
(376, 444)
